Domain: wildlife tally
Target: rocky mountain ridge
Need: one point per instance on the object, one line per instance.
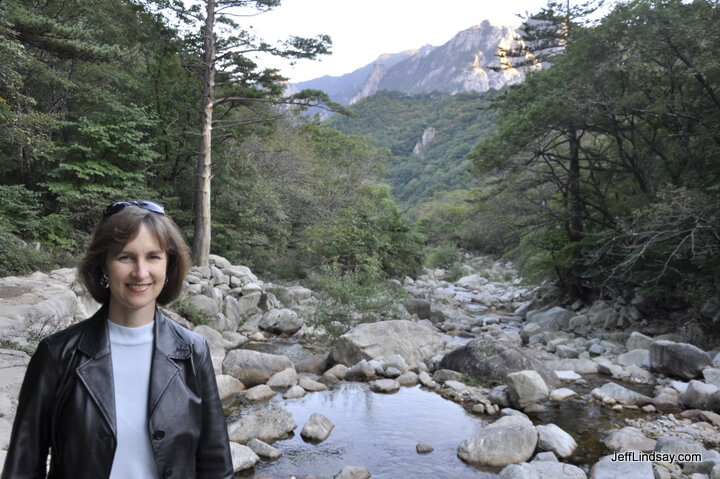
(462, 64)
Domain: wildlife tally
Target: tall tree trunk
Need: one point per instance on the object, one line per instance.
(201, 241)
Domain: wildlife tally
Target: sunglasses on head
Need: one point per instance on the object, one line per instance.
(121, 205)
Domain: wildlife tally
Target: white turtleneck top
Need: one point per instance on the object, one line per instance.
(132, 350)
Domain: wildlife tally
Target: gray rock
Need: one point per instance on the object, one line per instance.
(542, 470)
(265, 424)
(296, 295)
(697, 394)
(242, 457)
(419, 307)
(353, 472)
(248, 305)
(384, 386)
(678, 359)
(678, 445)
(509, 440)
(413, 341)
(526, 388)
(606, 468)
(264, 449)
(442, 375)
(362, 371)
(638, 341)
(561, 394)
(315, 364)
(614, 393)
(310, 385)
(553, 319)
(636, 357)
(499, 395)
(338, 371)
(294, 392)
(629, 439)
(253, 367)
(712, 376)
(408, 379)
(206, 306)
(261, 392)
(423, 448)
(317, 428)
(283, 379)
(281, 321)
(491, 360)
(228, 386)
(554, 439)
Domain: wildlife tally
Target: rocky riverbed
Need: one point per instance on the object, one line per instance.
(548, 391)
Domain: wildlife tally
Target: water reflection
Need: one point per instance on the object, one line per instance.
(377, 431)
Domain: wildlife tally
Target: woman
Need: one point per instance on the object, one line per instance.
(128, 393)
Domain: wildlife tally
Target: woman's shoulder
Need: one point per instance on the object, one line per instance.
(183, 333)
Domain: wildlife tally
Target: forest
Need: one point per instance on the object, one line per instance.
(600, 172)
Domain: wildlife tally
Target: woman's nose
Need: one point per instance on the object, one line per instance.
(141, 270)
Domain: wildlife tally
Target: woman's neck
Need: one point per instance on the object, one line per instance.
(131, 318)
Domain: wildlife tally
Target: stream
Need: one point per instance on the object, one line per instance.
(380, 431)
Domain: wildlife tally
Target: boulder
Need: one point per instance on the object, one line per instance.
(242, 457)
(509, 440)
(264, 449)
(526, 388)
(681, 360)
(228, 386)
(265, 424)
(636, 357)
(542, 470)
(352, 472)
(252, 367)
(317, 428)
(629, 439)
(554, 439)
(419, 307)
(283, 379)
(309, 385)
(315, 364)
(384, 386)
(413, 341)
(608, 468)
(553, 319)
(261, 392)
(294, 392)
(281, 321)
(491, 360)
(638, 341)
(613, 393)
(678, 445)
(696, 394)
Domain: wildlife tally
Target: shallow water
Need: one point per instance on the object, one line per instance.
(377, 431)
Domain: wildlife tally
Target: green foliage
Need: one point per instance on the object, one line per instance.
(349, 298)
(189, 311)
(397, 121)
(367, 232)
(442, 256)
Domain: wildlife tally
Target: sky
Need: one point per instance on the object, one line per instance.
(362, 30)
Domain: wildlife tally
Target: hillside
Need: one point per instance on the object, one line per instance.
(428, 134)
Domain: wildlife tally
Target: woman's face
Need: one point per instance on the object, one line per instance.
(137, 273)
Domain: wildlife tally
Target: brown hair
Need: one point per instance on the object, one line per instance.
(115, 231)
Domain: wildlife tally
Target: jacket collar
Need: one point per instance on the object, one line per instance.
(96, 372)
(95, 341)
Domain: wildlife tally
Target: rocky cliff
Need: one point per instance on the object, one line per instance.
(462, 64)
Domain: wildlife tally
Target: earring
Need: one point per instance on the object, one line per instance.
(105, 281)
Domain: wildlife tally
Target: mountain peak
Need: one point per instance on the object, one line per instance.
(461, 64)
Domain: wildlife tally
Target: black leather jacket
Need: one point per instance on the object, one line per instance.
(67, 405)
